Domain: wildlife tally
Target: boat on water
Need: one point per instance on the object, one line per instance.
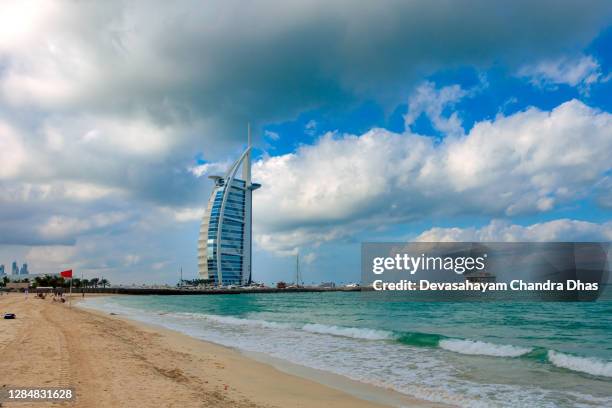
(479, 277)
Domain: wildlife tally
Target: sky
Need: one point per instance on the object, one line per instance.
(372, 121)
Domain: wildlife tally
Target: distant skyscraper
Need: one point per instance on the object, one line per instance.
(14, 268)
(24, 269)
(224, 247)
(1, 270)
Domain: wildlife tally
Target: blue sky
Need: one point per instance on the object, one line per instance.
(372, 122)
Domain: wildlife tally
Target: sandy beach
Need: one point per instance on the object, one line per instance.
(112, 362)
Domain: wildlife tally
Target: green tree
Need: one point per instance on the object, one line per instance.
(104, 282)
(45, 280)
(55, 281)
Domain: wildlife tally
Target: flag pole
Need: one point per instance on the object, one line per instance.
(70, 299)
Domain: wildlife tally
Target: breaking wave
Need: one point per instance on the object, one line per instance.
(237, 321)
(482, 348)
(354, 332)
(588, 365)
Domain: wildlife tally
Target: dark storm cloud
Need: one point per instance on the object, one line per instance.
(230, 62)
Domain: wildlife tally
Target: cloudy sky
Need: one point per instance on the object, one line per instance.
(373, 121)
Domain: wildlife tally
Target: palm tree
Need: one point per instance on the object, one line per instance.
(104, 282)
(86, 283)
(55, 281)
(94, 282)
(43, 280)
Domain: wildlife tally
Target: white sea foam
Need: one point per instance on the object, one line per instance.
(587, 365)
(483, 348)
(237, 321)
(354, 332)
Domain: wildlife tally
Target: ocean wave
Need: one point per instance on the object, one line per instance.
(482, 348)
(420, 339)
(237, 321)
(587, 365)
(353, 332)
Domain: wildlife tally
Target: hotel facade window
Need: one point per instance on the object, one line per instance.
(225, 243)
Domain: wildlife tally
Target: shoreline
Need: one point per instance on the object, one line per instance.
(115, 361)
(381, 397)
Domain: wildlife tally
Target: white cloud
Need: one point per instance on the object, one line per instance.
(288, 243)
(311, 127)
(53, 191)
(186, 214)
(581, 71)
(210, 169)
(85, 191)
(12, 152)
(51, 258)
(603, 192)
(529, 162)
(431, 101)
(502, 231)
(160, 265)
(131, 259)
(19, 21)
(64, 226)
(309, 258)
(271, 135)
(127, 137)
(87, 158)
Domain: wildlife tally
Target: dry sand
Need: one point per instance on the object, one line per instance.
(111, 362)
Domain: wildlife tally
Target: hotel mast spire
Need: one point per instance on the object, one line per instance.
(246, 167)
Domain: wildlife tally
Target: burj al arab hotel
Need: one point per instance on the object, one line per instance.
(224, 247)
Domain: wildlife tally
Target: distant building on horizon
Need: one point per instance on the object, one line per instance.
(24, 270)
(14, 268)
(2, 270)
(225, 243)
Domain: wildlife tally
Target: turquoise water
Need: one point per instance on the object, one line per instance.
(543, 354)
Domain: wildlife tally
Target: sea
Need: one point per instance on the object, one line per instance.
(469, 354)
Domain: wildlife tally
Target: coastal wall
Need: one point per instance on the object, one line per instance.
(177, 291)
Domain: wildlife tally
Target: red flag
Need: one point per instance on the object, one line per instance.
(66, 274)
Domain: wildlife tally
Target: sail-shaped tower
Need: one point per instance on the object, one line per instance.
(225, 244)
